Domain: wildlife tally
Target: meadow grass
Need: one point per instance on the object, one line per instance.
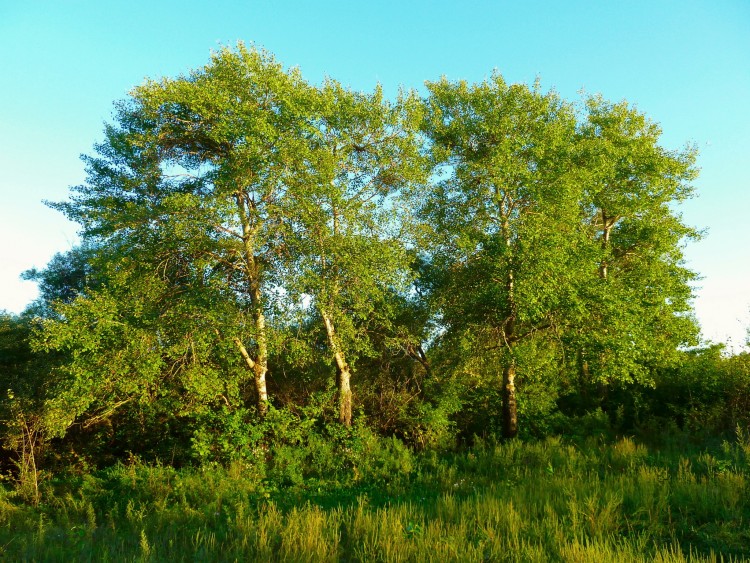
(545, 501)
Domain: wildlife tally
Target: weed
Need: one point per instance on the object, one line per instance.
(539, 501)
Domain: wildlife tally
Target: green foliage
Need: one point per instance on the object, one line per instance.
(296, 449)
(515, 501)
(706, 394)
(246, 235)
(66, 276)
(228, 435)
(556, 229)
(702, 398)
(637, 310)
(24, 426)
(504, 196)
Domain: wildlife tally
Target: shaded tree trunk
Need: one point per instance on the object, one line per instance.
(510, 413)
(417, 353)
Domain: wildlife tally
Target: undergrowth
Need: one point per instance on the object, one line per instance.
(552, 500)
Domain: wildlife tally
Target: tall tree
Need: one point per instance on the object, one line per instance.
(350, 245)
(638, 312)
(195, 176)
(506, 216)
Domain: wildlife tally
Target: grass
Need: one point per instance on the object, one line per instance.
(545, 501)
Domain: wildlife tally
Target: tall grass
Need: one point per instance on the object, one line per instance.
(546, 501)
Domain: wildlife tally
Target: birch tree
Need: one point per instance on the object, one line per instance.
(195, 172)
(638, 310)
(506, 217)
(350, 242)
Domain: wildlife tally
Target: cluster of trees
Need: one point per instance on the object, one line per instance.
(252, 242)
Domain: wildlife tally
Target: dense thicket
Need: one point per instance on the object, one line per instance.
(266, 263)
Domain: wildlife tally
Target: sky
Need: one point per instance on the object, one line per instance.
(685, 63)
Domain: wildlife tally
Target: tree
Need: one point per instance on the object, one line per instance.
(638, 311)
(66, 276)
(25, 427)
(557, 228)
(349, 251)
(193, 182)
(235, 198)
(237, 216)
(507, 232)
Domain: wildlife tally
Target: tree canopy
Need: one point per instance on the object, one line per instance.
(254, 242)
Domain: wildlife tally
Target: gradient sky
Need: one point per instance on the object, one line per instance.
(685, 63)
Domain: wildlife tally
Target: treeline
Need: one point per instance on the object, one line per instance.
(267, 262)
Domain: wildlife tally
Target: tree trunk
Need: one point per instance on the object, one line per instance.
(343, 372)
(259, 373)
(607, 224)
(259, 364)
(510, 415)
(417, 353)
(345, 396)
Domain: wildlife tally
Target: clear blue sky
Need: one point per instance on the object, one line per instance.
(685, 63)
